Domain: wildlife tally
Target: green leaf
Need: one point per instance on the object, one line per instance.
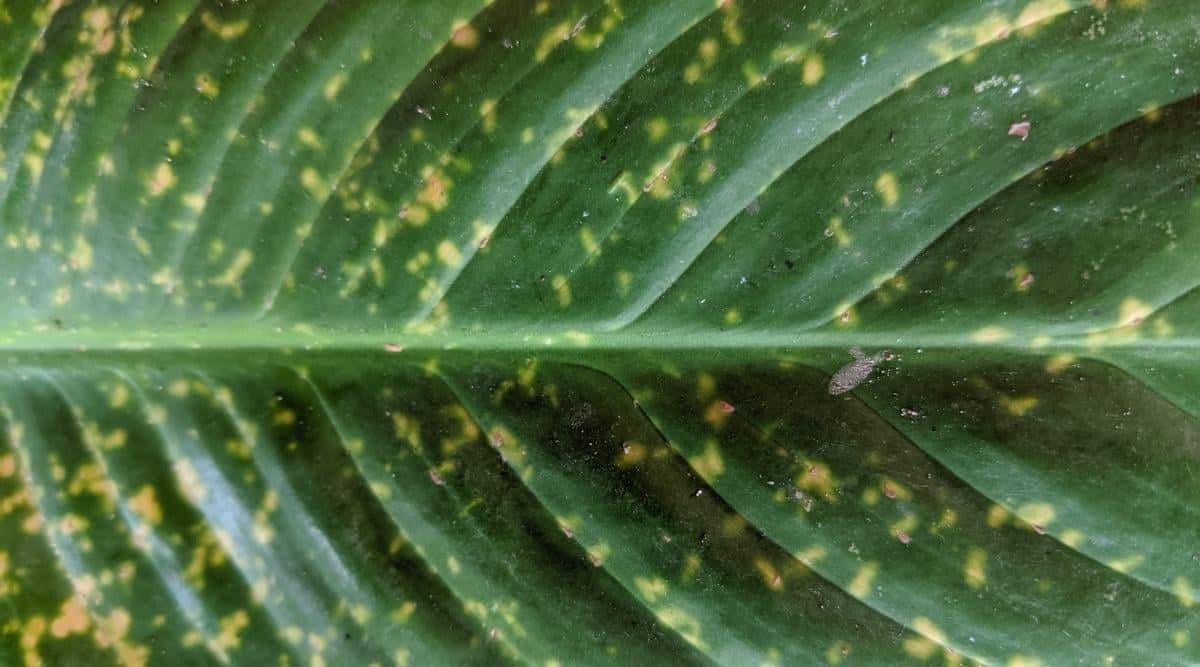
(574, 332)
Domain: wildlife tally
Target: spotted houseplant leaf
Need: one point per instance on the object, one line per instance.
(442, 332)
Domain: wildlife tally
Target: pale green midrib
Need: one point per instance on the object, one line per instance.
(192, 342)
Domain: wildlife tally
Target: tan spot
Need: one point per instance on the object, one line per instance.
(72, 619)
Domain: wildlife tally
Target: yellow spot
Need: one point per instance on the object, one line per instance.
(224, 29)
(817, 478)
(1180, 638)
(1133, 312)
(233, 273)
(553, 37)
(8, 466)
(974, 570)
(860, 585)
(771, 576)
(1023, 661)
(313, 183)
(657, 128)
(920, 648)
(1059, 363)
(888, 188)
(1183, 591)
(813, 70)
(334, 86)
(1071, 537)
(837, 230)
(709, 465)
(308, 137)
(996, 516)
(206, 86)
(1037, 514)
(448, 254)
(651, 589)
(1127, 564)
(162, 180)
(991, 334)
(464, 36)
(562, 290)
(1040, 10)
(733, 316)
(1017, 406)
(231, 630)
(145, 504)
(81, 254)
(119, 396)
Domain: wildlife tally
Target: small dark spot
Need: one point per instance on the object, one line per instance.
(603, 158)
(789, 263)
(347, 636)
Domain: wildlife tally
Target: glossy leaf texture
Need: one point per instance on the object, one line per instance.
(750, 332)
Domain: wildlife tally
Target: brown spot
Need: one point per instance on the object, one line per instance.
(1040, 530)
(436, 477)
(709, 126)
(1026, 280)
(903, 537)
(1020, 129)
(725, 407)
(484, 241)
(889, 491)
(596, 561)
(497, 439)
(393, 347)
(566, 530)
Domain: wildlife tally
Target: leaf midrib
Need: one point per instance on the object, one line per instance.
(308, 343)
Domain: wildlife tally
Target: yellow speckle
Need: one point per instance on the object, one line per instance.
(888, 188)
(1023, 661)
(733, 316)
(996, 516)
(974, 569)
(813, 70)
(1180, 638)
